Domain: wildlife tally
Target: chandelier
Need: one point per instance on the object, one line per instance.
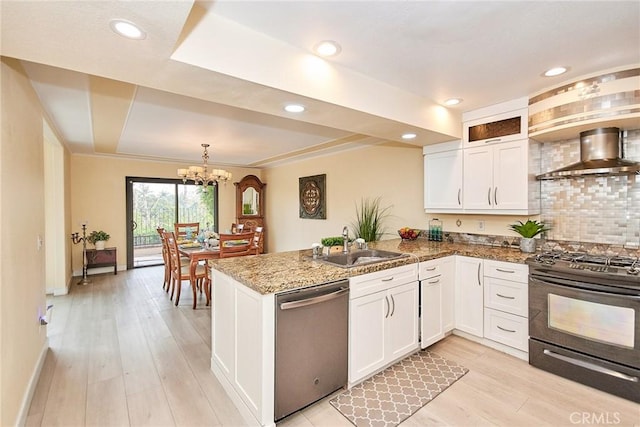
(201, 175)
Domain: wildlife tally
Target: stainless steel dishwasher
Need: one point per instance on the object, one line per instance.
(311, 345)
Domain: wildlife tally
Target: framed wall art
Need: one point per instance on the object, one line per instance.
(313, 201)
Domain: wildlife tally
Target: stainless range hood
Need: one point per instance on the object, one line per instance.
(600, 154)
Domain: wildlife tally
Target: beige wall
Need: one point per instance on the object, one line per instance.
(22, 287)
(98, 196)
(394, 173)
(390, 172)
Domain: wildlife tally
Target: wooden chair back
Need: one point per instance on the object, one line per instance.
(165, 259)
(237, 228)
(182, 228)
(239, 244)
(258, 235)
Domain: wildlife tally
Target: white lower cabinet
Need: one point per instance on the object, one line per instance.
(506, 303)
(242, 346)
(469, 307)
(506, 328)
(436, 299)
(383, 320)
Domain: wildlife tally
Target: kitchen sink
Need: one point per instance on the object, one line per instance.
(360, 257)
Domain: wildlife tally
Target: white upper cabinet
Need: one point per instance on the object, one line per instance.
(497, 123)
(499, 171)
(443, 177)
(497, 179)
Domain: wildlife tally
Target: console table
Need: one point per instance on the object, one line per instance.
(102, 258)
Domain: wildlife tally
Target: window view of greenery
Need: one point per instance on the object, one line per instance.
(154, 205)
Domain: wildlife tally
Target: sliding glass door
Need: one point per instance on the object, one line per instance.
(153, 203)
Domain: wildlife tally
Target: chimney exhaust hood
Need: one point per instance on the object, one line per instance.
(600, 154)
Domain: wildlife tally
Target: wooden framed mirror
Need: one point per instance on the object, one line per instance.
(250, 200)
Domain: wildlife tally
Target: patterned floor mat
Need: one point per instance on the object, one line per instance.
(390, 397)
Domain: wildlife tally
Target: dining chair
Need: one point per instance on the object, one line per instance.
(257, 239)
(183, 228)
(180, 271)
(239, 244)
(165, 259)
(236, 228)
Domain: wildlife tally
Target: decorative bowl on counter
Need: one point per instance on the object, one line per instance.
(407, 233)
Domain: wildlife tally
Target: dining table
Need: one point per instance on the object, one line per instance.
(197, 253)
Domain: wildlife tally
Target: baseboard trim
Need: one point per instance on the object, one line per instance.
(33, 383)
(523, 355)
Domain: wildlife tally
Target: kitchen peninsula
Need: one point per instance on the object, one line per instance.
(243, 312)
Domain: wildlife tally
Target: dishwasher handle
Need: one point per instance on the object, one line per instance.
(315, 300)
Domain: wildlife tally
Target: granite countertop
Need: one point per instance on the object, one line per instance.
(282, 271)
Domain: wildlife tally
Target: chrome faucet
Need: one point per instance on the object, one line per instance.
(345, 238)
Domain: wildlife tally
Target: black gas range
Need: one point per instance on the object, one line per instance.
(622, 273)
(584, 319)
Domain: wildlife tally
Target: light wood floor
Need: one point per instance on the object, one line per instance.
(122, 354)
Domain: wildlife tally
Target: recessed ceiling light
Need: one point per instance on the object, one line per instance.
(556, 71)
(453, 101)
(409, 135)
(327, 48)
(294, 108)
(127, 29)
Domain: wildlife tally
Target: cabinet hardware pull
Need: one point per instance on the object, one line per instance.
(431, 268)
(505, 296)
(505, 271)
(314, 300)
(493, 140)
(495, 196)
(489, 196)
(388, 279)
(393, 301)
(592, 366)
(503, 329)
(459, 191)
(479, 283)
(386, 299)
(434, 281)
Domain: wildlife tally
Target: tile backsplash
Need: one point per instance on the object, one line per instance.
(591, 209)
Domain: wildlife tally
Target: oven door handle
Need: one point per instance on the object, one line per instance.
(574, 284)
(591, 366)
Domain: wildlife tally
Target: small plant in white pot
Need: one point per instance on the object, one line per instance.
(98, 239)
(528, 231)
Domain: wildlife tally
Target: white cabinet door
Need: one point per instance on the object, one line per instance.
(367, 319)
(223, 345)
(510, 175)
(496, 178)
(448, 269)
(402, 321)
(469, 304)
(431, 316)
(478, 178)
(443, 181)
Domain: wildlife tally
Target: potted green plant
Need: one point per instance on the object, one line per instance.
(370, 217)
(528, 230)
(332, 244)
(98, 239)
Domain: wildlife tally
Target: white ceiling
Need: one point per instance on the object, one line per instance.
(219, 72)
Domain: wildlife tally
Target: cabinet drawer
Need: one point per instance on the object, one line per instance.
(506, 328)
(506, 295)
(381, 280)
(428, 269)
(506, 270)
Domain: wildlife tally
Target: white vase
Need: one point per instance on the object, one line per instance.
(100, 245)
(528, 245)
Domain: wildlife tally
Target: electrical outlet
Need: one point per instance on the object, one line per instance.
(481, 225)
